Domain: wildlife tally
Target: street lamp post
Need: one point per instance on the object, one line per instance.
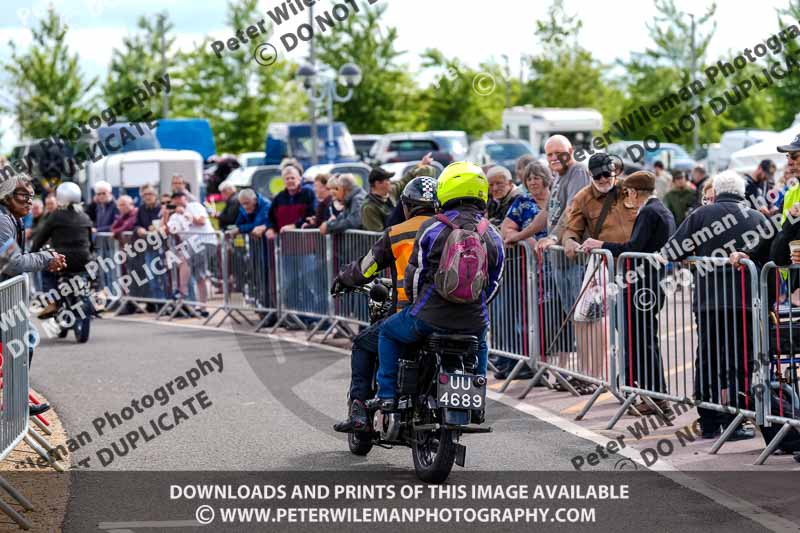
(321, 88)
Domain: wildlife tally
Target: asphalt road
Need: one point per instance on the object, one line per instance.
(271, 409)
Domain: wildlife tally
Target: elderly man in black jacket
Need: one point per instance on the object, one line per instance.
(723, 300)
(644, 296)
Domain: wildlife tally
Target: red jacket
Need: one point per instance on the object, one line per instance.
(124, 223)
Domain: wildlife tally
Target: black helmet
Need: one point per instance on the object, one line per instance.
(419, 194)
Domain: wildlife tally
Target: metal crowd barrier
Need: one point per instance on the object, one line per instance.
(305, 268)
(249, 279)
(695, 347)
(14, 424)
(513, 311)
(348, 247)
(780, 354)
(575, 322)
(105, 247)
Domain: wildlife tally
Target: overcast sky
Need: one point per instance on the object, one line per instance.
(473, 30)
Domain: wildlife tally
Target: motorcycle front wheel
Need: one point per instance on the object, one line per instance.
(359, 443)
(434, 453)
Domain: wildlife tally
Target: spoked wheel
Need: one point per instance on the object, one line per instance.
(359, 443)
(434, 453)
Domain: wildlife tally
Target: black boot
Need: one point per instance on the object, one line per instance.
(358, 420)
(37, 409)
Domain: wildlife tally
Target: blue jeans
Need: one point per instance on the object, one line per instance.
(401, 330)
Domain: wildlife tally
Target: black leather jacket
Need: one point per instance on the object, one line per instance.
(69, 232)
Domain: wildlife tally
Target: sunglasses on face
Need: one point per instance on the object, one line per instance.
(602, 175)
(793, 155)
(23, 196)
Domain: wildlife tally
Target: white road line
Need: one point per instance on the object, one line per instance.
(662, 466)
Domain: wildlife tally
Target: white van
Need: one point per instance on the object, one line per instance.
(128, 171)
(735, 140)
(535, 125)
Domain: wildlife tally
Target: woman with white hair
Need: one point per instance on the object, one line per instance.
(16, 198)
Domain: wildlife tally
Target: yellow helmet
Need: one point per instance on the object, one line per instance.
(462, 180)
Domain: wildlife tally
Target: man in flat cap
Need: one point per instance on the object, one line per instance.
(378, 204)
(653, 226)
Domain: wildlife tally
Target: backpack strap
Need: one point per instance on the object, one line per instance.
(610, 198)
(444, 220)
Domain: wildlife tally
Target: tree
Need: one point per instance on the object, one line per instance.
(665, 68)
(236, 94)
(384, 101)
(139, 60)
(51, 91)
(564, 74)
(787, 91)
(462, 98)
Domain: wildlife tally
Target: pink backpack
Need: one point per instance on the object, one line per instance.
(464, 266)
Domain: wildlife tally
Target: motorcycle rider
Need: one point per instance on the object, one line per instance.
(69, 231)
(462, 192)
(391, 251)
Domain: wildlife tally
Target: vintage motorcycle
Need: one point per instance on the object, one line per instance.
(440, 397)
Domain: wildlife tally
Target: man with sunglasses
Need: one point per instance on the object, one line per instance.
(791, 174)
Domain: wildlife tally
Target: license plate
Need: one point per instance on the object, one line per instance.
(460, 391)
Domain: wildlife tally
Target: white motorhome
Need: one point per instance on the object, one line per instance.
(128, 171)
(535, 125)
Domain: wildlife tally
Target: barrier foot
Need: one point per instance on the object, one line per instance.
(727, 433)
(9, 488)
(263, 321)
(244, 317)
(773, 444)
(316, 328)
(511, 376)
(658, 411)
(212, 315)
(41, 425)
(23, 522)
(278, 323)
(566, 384)
(534, 381)
(33, 439)
(621, 411)
(593, 398)
(329, 330)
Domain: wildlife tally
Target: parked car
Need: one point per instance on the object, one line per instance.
(403, 147)
(251, 159)
(672, 155)
(454, 142)
(294, 140)
(400, 169)
(264, 179)
(735, 140)
(505, 152)
(364, 143)
(359, 170)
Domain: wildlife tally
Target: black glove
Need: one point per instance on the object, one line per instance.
(337, 286)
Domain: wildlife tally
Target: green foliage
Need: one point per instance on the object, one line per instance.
(238, 96)
(462, 98)
(565, 74)
(140, 60)
(386, 98)
(49, 87)
(787, 94)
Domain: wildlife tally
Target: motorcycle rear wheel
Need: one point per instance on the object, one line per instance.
(434, 453)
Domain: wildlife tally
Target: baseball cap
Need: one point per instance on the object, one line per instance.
(794, 146)
(379, 174)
